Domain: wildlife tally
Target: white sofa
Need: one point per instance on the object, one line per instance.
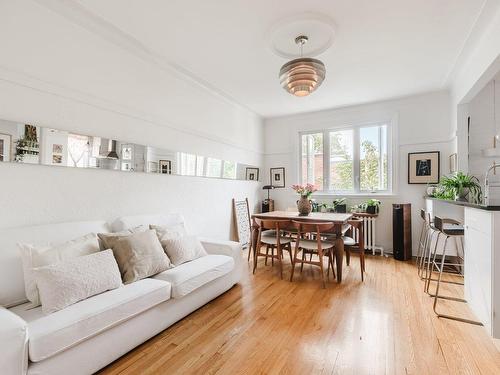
(90, 334)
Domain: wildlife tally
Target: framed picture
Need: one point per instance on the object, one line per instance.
(423, 167)
(278, 177)
(453, 163)
(165, 166)
(5, 145)
(252, 174)
(57, 149)
(56, 159)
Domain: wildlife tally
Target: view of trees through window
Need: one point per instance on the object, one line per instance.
(357, 159)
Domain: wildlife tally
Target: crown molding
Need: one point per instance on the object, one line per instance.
(80, 15)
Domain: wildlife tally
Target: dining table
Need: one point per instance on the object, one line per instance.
(338, 219)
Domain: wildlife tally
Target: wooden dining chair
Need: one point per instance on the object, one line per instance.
(270, 234)
(316, 246)
(355, 242)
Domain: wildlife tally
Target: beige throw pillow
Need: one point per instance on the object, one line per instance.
(65, 283)
(182, 249)
(139, 255)
(172, 231)
(128, 232)
(34, 257)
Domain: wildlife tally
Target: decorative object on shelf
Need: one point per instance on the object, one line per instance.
(458, 186)
(339, 205)
(242, 221)
(268, 204)
(165, 166)
(28, 148)
(153, 167)
(302, 76)
(5, 145)
(304, 204)
(57, 154)
(372, 206)
(277, 177)
(453, 163)
(252, 174)
(431, 190)
(423, 167)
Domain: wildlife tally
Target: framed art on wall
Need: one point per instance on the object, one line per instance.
(165, 166)
(423, 167)
(252, 174)
(277, 177)
(5, 144)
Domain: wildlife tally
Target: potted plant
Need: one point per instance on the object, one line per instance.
(458, 186)
(372, 206)
(339, 205)
(304, 203)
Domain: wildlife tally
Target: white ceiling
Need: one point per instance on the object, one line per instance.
(382, 49)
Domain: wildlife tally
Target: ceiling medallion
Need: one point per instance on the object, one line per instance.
(302, 76)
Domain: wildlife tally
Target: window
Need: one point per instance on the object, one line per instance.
(214, 167)
(229, 170)
(354, 160)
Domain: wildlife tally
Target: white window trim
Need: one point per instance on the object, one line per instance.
(392, 156)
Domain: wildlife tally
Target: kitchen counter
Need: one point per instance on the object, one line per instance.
(494, 205)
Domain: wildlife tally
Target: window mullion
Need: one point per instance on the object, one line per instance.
(326, 161)
(356, 161)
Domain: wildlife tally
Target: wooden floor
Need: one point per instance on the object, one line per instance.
(269, 326)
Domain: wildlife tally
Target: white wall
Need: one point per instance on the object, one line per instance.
(58, 74)
(423, 124)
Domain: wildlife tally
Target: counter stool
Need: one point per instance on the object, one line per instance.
(427, 234)
(271, 234)
(456, 232)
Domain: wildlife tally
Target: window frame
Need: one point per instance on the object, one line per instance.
(391, 160)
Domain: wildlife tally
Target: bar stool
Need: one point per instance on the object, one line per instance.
(455, 231)
(427, 234)
(273, 240)
(317, 246)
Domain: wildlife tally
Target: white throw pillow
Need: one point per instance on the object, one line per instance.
(65, 283)
(33, 257)
(172, 231)
(182, 249)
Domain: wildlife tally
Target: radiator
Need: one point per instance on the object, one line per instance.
(369, 233)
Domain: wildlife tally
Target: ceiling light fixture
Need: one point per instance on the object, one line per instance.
(302, 76)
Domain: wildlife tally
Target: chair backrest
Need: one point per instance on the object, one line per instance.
(422, 214)
(357, 227)
(273, 224)
(438, 223)
(316, 228)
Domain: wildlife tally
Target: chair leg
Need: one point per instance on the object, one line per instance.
(362, 263)
(347, 255)
(279, 257)
(430, 267)
(267, 254)
(303, 259)
(272, 256)
(290, 252)
(320, 255)
(256, 255)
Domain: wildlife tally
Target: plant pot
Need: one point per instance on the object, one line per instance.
(461, 194)
(304, 206)
(372, 210)
(341, 208)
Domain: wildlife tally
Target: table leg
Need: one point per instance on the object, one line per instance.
(255, 237)
(339, 254)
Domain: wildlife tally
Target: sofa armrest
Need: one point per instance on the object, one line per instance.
(221, 247)
(13, 343)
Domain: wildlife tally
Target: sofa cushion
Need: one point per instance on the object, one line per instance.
(54, 333)
(192, 275)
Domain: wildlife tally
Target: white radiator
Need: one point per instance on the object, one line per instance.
(369, 234)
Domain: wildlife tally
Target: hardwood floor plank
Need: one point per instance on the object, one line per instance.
(265, 325)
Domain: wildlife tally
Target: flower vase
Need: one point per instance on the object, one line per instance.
(304, 206)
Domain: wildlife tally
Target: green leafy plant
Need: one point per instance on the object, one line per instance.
(338, 202)
(372, 203)
(458, 186)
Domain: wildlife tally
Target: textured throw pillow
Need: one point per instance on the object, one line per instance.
(65, 283)
(103, 237)
(139, 255)
(166, 232)
(33, 257)
(182, 249)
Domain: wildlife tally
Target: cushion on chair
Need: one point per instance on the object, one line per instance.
(51, 334)
(194, 274)
(313, 244)
(272, 240)
(348, 241)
